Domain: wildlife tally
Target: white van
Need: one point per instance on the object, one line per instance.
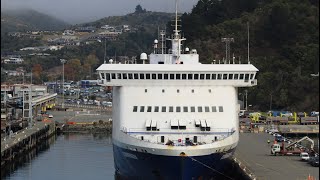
(304, 156)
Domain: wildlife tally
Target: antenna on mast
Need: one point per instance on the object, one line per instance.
(105, 46)
(248, 43)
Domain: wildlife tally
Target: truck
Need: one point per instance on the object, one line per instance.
(293, 148)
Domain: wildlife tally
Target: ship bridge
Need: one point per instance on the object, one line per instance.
(236, 75)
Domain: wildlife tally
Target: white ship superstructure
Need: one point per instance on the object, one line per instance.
(173, 109)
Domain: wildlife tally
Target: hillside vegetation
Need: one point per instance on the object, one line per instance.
(284, 46)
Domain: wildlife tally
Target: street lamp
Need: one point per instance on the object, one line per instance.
(63, 61)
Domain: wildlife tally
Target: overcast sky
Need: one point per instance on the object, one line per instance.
(80, 11)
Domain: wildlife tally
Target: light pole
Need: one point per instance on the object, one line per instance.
(63, 61)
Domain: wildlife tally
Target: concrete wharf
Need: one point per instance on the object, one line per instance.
(253, 155)
(25, 140)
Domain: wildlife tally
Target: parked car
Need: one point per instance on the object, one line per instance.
(304, 156)
(50, 116)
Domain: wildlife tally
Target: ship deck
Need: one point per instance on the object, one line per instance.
(253, 153)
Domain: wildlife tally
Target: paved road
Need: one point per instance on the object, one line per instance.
(254, 152)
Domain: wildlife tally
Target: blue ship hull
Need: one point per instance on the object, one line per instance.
(138, 165)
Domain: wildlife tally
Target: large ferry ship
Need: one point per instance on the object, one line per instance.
(173, 117)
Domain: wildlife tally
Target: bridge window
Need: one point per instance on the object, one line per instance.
(199, 108)
(185, 108)
(135, 108)
(170, 108)
(156, 109)
(219, 76)
(241, 76)
(214, 76)
(113, 75)
(166, 76)
(251, 76)
(201, 76)
(141, 76)
(136, 76)
(206, 109)
(130, 76)
(225, 76)
(177, 76)
(141, 108)
(163, 109)
(124, 75)
(214, 109)
(236, 76)
(178, 109)
(147, 76)
(190, 76)
(118, 75)
(220, 108)
(102, 75)
(192, 109)
(108, 76)
(246, 78)
(171, 76)
(196, 76)
(154, 76)
(159, 76)
(207, 76)
(230, 76)
(149, 109)
(184, 76)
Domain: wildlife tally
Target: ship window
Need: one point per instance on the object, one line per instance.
(165, 76)
(214, 109)
(170, 108)
(182, 124)
(220, 108)
(108, 76)
(230, 76)
(207, 76)
(124, 76)
(225, 76)
(214, 76)
(141, 108)
(177, 76)
(236, 76)
(163, 90)
(130, 76)
(162, 139)
(156, 109)
(147, 76)
(206, 108)
(192, 90)
(154, 76)
(102, 75)
(209, 90)
(136, 76)
(145, 90)
(171, 76)
(163, 109)
(178, 109)
(189, 76)
(246, 78)
(251, 76)
(184, 76)
(241, 76)
(178, 90)
(118, 75)
(159, 76)
(141, 76)
(201, 76)
(149, 109)
(113, 76)
(135, 108)
(193, 109)
(219, 76)
(196, 76)
(185, 108)
(199, 109)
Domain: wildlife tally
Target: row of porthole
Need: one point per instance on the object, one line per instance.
(178, 109)
(178, 90)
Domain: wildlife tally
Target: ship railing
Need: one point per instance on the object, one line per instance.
(213, 131)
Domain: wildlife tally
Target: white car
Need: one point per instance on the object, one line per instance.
(50, 116)
(304, 156)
